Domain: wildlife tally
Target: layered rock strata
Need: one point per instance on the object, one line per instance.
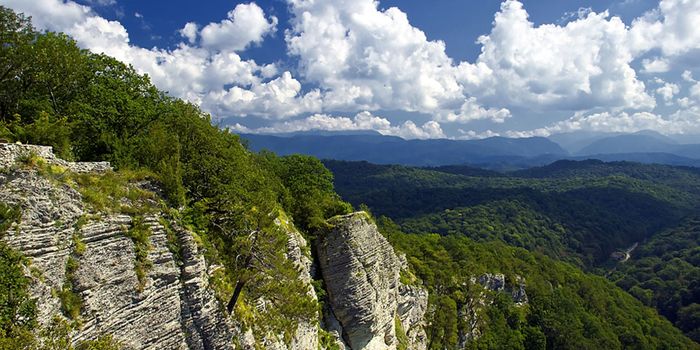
(366, 298)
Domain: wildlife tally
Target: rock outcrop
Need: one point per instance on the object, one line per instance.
(471, 311)
(169, 308)
(148, 295)
(361, 272)
(10, 153)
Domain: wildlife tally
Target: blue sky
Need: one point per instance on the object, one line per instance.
(416, 69)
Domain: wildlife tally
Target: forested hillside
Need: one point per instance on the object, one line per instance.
(665, 274)
(92, 107)
(454, 224)
(567, 309)
(581, 212)
(577, 212)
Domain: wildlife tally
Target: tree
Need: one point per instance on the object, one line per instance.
(17, 310)
(16, 36)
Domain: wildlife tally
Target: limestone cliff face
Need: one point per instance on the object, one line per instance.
(171, 307)
(361, 273)
(168, 303)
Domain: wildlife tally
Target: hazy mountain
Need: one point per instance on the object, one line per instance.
(643, 142)
(576, 142)
(394, 150)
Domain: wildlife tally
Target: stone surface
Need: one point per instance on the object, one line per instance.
(306, 336)
(10, 153)
(174, 309)
(361, 272)
(412, 305)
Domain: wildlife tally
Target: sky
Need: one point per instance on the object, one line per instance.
(412, 68)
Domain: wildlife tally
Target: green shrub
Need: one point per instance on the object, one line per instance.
(140, 234)
(17, 309)
(8, 214)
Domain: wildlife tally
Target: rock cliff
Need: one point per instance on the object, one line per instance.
(138, 276)
(368, 303)
(471, 312)
(89, 255)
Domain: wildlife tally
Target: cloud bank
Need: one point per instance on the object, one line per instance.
(353, 57)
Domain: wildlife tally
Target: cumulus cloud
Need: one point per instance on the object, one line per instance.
(683, 121)
(354, 56)
(102, 2)
(246, 24)
(667, 91)
(581, 65)
(657, 65)
(361, 121)
(694, 91)
(211, 74)
(672, 28)
(367, 58)
(687, 76)
(190, 31)
(474, 135)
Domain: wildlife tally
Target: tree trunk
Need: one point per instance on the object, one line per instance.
(242, 280)
(236, 294)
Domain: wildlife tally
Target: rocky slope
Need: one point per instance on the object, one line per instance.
(89, 254)
(143, 279)
(367, 300)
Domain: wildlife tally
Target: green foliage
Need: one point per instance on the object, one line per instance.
(510, 221)
(140, 234)
(269, 277)
(92, 107)
(173, 242)
(56, 336)
(115, 192)
(401, 337)
(71, 302)
(8, 214)
(568, 309)
(17, 310)
(326, 340)
(664, 272)
(105, 342)
(581, 215)
(309, 195)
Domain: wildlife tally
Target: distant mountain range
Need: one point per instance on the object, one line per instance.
(495, 153)
(376, 148)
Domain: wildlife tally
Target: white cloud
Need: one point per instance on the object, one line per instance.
(102, 2)
(52, 14)
(672, 27)
(246, 24)
(138, 15)
(361, 121)
(190, 31)
(684, 102)
(278, 98)
(359, 57)
(694, 91)
(366, 58)
(471, 110)
(667, 91)
(201, 74)
(474, 135)
(683, 121)
(687, 76)
(582, 12)
(657, 65)
(581, 65)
